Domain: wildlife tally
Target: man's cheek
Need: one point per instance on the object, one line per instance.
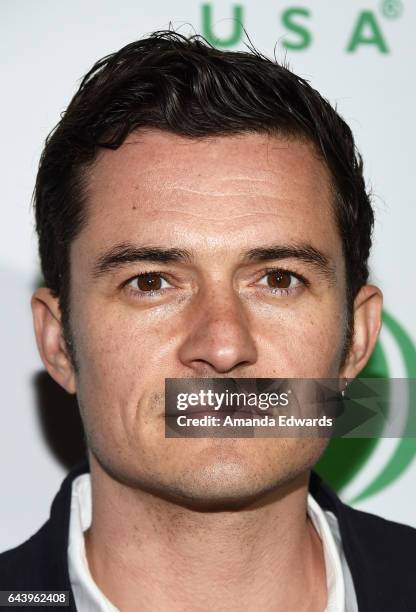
(306, 347)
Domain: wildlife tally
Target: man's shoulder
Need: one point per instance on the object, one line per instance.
(380, 553)
(381, 556)
(41, 561)
(380, 532)
(21, 565)
(364, 529)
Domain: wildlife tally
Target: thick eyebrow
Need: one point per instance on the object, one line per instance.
(122, 254)
(304, 252)
(126, 253)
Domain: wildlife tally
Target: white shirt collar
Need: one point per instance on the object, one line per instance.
(89, 598)
(334, 576)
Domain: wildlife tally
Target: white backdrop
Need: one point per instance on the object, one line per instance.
(47, 46)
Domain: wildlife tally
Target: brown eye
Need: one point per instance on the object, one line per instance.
(280, 279)
(149, 282)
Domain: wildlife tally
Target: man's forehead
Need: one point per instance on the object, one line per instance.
(144, 194)
(162, 160)
(213, 195)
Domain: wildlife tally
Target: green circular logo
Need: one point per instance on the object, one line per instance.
(345, 458)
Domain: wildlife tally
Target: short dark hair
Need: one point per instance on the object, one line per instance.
(185, 86)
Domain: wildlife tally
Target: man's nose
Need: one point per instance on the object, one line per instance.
(218, 338)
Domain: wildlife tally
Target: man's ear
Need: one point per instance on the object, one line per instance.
(50, 338)
(368, 306)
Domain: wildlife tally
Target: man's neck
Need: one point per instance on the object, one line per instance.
(147, 553)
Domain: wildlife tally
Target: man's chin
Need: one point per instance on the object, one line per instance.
(229, 474)
(212, 497)
(220, 475)
(224, 486)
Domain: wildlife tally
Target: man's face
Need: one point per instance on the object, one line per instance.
(215, 216)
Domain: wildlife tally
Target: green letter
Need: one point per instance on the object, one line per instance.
(235, 36)
(373, 37)
(304, 35)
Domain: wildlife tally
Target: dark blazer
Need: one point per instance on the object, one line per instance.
(381, 554)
